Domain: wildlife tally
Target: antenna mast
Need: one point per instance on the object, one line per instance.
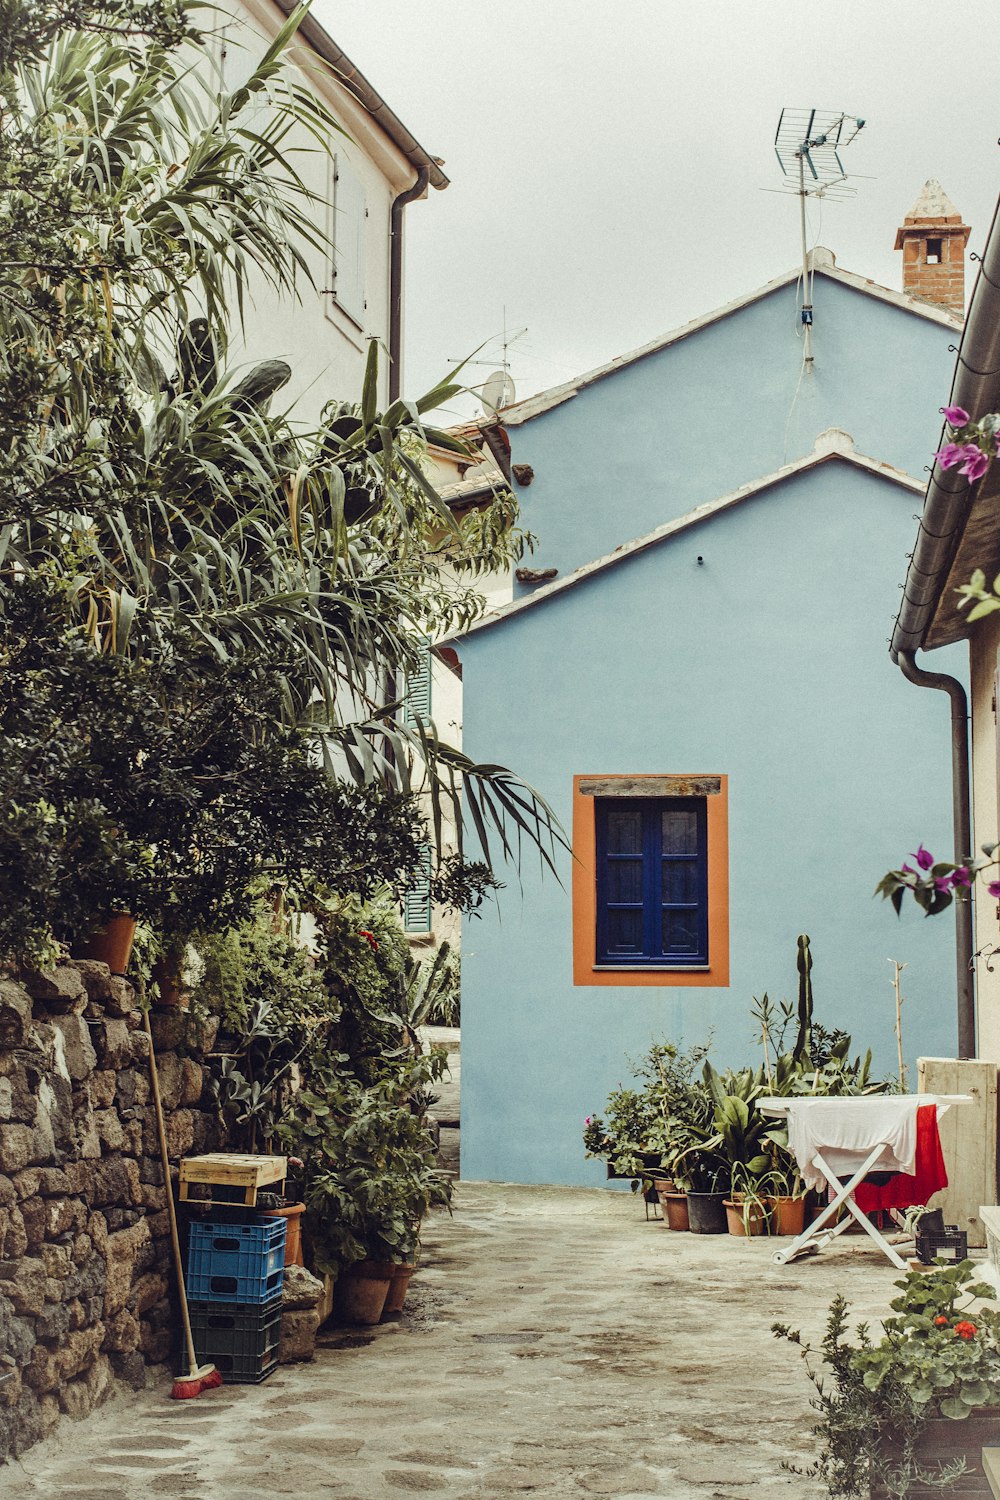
(807, 145)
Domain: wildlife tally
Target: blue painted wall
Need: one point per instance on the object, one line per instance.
(768, 663)
(725, 406)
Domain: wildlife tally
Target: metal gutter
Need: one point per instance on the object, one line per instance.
(396, 280)
(356, 83)
(962, 830)
(976, 387)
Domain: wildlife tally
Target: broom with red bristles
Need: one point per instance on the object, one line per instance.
(199, 1377)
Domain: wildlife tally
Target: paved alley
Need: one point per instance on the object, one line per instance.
(554, 1344)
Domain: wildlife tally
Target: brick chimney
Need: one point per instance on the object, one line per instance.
(933, 239)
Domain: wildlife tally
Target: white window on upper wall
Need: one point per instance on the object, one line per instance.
(348, 213)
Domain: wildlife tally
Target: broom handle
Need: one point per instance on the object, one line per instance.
(171, 1212)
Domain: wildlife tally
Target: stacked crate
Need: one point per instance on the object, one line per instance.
(234, 1282)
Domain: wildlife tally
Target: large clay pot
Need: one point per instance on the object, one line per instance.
(674, 1206)
(707, 1213)
(110, 944)
(788, 1216)
(398, 1288)
(292, 1215)
(361, 1290)
(173, 996)
(744, 1219)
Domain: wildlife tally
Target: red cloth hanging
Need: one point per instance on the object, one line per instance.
(930, 1175)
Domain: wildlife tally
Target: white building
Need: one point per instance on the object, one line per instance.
(365, 179)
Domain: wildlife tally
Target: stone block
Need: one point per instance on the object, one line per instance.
(96, 977)
(115, 1182)
(130, 1253)
(58, 988)
(25, 1290)
(27, 1183)
(168, 1068)
(48, 1414)
(10, 1383)
(78, 1350)
(20, 1079)
(52, 1182)
(13, 1235)
(81, 1395)
(149, 1291)
(74, 1047)
(35, 1219)
(300, 1289)
(192, 1083)
(58, 1261)
(298, 1335)
(15, 1015)
(180, 1133)
(8, 1193)
(53, 1323)
(109, 1129)
(122, 1000)
(121, 1332)
(41, 1371)
(130, 1370)
(113, 1043)
(64, 1216)
(17, 1147)
(170, 1029)
(17, 1335)
(103, 1087)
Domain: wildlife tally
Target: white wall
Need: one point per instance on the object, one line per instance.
(986, 828)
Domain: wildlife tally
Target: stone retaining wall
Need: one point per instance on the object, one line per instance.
(85, 1263)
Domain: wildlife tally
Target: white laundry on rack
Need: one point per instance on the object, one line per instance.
(846, 1130)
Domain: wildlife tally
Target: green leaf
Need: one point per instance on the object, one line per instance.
(954, 1408)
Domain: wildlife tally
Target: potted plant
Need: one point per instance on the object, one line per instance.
(914, 1407)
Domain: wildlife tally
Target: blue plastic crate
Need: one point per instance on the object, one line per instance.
(235, 1262)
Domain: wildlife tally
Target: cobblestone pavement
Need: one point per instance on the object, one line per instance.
(554, 1344)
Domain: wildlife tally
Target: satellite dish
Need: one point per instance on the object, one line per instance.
(498, 390)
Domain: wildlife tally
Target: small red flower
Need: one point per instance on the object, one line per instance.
(965, 1330)
(941, 1322)
(369, 938)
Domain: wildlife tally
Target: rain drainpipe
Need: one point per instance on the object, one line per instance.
(396, 279)
(961, 811)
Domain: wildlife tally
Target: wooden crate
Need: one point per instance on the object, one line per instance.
(232, 1170)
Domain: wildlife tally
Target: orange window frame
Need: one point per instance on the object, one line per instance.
(585, 971)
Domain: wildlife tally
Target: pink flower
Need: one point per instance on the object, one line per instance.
(961, 876)
(955, 416)
(949, 455)
(975, 461)
(587, 1120)
(923, 859)
(994, 888)
(942, 882)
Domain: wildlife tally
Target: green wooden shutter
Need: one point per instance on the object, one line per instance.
(417, 901)
(417, 698)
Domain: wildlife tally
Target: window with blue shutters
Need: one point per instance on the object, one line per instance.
(652, 881)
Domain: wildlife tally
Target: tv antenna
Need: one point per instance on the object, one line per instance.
(808, 144)
(498, 389)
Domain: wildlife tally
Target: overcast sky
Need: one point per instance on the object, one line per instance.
(608, 161)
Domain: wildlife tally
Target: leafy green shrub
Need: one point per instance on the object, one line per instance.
(935, 1357)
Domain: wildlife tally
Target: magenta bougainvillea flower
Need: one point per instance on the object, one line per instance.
(994, 888)
(974, 461)
(956, 416)
(949, 455)
(923, 859)
(961, 876)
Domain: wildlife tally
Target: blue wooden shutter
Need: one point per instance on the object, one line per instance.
(652, 881)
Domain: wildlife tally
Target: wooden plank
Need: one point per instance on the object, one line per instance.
(650, 786)
(968, 1138)
(233, 1170)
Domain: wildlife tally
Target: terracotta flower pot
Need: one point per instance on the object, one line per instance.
(788, 1216)
(112, 943)
(361, 1290)
(172, 993)
(398, 1288)
(743, 1219)
(674, 1205)
(292, 1215)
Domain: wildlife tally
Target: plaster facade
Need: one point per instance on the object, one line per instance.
(744, 636)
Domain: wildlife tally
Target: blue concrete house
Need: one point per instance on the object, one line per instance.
(703, 693)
